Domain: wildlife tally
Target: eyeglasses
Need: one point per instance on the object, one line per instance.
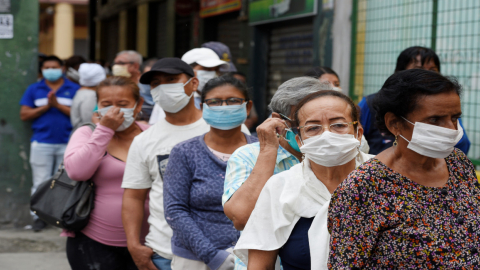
(212, 102)
(283, 132)
(314, 130)
(122, 63)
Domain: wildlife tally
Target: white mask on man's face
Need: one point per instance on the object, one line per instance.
(203, 77)
(433, 141)
(171, 97)
(121, 70)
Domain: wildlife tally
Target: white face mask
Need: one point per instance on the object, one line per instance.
(121, 70)
(337, 88)
(433, 141)
(330, 149)
(203, 77)
(128, 115)
(171, 97)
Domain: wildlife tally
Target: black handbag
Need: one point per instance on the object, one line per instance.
(63, 202)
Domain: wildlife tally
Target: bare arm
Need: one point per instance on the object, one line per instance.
(261, 259)
(29, 113)
(132, 218)
(242, 202)
(64, 109)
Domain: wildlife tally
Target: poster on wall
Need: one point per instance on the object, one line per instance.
(210, 8)
(266, 11)
(6, 26)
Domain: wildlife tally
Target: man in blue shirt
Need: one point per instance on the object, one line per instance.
(47, 104)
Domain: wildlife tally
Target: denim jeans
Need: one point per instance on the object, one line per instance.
(161, 263)
(44, 160)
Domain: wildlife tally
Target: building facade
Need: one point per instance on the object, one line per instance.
(63, 28)
(270, 41)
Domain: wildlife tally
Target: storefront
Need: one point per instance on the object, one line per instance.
(284, 40)
(222, 22)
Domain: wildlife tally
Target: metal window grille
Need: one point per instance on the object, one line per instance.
(382, 29)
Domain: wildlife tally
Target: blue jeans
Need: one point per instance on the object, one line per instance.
(161, 263)
(44, 160)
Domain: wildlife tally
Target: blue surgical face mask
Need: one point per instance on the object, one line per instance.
(128, 116)
(145, 93)
(225, 117)
(290, 138)
(52, 74)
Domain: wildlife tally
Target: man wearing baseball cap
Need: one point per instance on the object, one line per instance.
(206, 64)
(223, 52)
(173, 84)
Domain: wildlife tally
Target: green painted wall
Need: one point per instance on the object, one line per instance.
(18, 69)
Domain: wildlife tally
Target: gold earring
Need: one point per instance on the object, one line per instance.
(395, 143)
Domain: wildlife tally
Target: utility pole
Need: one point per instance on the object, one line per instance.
(19, 20)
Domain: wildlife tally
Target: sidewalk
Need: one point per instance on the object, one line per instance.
(24, 250)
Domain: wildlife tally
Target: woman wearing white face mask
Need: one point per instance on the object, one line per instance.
(100, 156)
(328, 75)
(416, 204)
(289, 218)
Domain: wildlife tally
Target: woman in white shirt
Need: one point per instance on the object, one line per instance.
(290, 217)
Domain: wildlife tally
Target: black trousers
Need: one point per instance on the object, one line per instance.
(84, 253)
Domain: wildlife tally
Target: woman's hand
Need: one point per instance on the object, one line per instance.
(112, 119)
(267, 133)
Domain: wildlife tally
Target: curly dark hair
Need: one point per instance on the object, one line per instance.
(401, 92)
(225, 80)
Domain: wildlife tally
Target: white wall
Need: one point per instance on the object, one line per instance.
(341, 32)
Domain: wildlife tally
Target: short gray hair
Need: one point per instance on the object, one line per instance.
(291, 92)
(133, 56)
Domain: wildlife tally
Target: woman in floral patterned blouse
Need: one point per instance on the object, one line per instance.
(417, 204)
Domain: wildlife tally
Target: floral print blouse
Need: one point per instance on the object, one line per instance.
(379, 219)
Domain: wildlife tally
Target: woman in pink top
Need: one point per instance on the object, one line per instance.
(100, 155)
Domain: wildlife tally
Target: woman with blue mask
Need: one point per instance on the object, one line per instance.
(100, 155)
(193, 184)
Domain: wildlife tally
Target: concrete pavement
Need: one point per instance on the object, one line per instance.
(25, 250)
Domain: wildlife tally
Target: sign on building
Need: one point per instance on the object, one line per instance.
(216, 7)
(6, 26)
(266, 11)
(5, 5)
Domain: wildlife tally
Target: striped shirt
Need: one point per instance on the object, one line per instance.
(239, 168)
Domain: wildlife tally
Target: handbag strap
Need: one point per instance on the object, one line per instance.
(61, 166)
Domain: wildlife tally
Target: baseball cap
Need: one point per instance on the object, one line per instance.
(204, 57)
(169, 65)
(223, 53)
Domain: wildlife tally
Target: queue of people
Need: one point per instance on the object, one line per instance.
(196, 190)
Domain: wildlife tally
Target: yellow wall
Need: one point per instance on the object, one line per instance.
(122, 30)
(142, 29)
(47, 36)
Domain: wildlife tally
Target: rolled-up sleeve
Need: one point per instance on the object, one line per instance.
(239, 168)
